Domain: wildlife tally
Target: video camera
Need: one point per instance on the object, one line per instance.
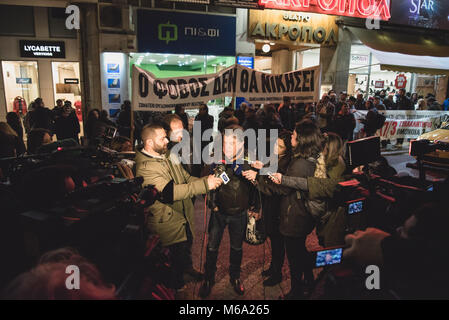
(69, 196)
(376, 196)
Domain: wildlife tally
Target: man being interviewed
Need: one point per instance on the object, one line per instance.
(173, 218)
(230, 206)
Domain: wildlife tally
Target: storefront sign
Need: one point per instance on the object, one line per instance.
(407, 124)
(378, 9)
(291, 26)
(152, 94)
(250, 4)
(359, 59)
(174, 32)
(246, 61)
(401, 81)
(71, 81)
(23, 80)
(42, 49)
(379, 84)
(431, 14)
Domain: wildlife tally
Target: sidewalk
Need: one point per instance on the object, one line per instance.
(254, 258)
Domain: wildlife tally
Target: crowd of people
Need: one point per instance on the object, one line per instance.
(293, 201)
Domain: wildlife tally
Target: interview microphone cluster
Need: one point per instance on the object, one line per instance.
(220, 172)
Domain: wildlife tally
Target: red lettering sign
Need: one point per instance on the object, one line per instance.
(401, 81)
(375, 9)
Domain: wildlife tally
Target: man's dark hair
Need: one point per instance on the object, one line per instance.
(286, 99)
(38, 101)
(178, 108)
(169, 118)
(309, 138)
(149, 130)
(35, 139)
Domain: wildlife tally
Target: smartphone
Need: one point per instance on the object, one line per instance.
(272, 176)
(327, 257)
(356, 206)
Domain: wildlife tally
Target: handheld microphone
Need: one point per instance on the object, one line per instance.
(220, 172)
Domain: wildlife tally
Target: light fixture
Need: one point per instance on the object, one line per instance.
(266, 48)
(272, 43)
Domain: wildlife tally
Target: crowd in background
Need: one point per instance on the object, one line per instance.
(310, 151)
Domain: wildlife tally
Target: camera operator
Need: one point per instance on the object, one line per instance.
(230, 206)
(331, 224)
(173, 219)
(413, 262)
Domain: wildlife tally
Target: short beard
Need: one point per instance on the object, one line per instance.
(160, 149)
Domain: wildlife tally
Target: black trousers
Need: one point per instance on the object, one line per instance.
(299, 262)
(236, 227)
(277, 253)
(181, 258)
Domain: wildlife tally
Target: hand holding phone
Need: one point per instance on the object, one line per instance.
(275, 177)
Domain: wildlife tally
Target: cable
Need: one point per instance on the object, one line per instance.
(202, 242)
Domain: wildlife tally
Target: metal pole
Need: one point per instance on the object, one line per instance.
(369, 75)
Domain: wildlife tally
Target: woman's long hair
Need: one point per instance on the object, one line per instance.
(309, 139)
(334, 149)
(286, 137)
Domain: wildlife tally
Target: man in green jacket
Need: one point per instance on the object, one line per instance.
(172, 220)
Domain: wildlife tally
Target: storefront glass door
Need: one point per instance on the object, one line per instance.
(67, 84)
(21, 79)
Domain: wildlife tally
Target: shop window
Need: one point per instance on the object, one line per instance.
(21, 81)
(56, 24)
(67, 84)
(16, 21)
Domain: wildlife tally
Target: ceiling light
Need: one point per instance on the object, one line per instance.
(266, 48)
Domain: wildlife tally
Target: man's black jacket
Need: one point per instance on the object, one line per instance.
(237, 195)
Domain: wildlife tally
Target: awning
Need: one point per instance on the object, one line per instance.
(406, 52)
(399, 62)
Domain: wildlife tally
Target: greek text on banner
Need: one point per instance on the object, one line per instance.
(153, 94)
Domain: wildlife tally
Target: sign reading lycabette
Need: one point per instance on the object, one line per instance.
(290, 26)
(153, 94)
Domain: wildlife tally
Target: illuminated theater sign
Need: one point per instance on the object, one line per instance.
(378, 9)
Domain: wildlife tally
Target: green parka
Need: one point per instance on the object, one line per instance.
(169, 220)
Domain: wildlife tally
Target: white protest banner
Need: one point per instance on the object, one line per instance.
(153, 94)
(408, 124)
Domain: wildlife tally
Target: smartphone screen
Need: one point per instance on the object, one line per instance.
(355, 207)
(328, 257)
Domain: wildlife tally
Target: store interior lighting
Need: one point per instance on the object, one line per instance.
(266, 48)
